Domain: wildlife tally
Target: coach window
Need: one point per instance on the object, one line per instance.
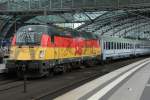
(124, 46)
(120, 45)
(109, 45)
(114, 45)
(117, 45)
(104, 45)
(135, 45)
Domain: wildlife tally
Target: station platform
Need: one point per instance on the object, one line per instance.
(2, 68)
(131, 82)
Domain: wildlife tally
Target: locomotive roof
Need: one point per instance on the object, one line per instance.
(54, 30)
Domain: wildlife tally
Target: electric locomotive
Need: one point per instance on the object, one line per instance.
(40, 50)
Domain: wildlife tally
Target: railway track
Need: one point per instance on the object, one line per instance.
(53, 93)
(39, 89)
(10, 85)
(4, 82)
(57, 92)
(7, 82)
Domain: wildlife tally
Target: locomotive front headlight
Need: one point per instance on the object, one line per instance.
(42, 53)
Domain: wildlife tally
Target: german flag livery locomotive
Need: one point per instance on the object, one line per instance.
(44, 49)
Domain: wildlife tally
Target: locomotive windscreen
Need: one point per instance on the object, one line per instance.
(30, 35)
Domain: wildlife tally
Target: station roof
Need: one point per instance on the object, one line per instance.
(61, 6)
(125, 18)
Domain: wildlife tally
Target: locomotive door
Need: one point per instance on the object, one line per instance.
(54, 46)
(93, 50)
(57, 43)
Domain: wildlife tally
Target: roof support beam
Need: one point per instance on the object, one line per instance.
(91, 22)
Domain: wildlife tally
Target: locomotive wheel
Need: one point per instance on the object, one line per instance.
(65, 68)
(90, 63)
(69, 68)
(50, 73)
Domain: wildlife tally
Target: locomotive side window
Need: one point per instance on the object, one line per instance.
(52, 39)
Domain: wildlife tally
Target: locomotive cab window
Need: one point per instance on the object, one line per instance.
(30, 35)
